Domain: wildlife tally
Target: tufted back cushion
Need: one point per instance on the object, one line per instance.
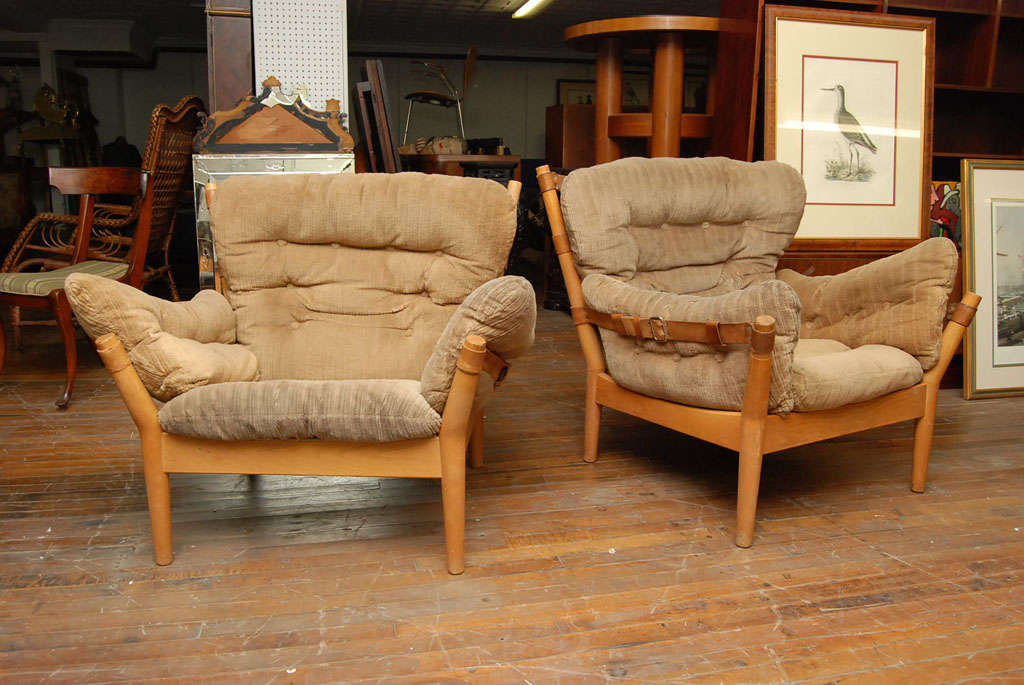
(696, 226)
(354, 276)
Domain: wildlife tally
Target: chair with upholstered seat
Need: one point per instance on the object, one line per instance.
(670, 269)
(354, 316)
(48, 240)
(45, 289)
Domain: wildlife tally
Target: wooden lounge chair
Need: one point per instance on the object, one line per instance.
(354, 316)
(670, 270)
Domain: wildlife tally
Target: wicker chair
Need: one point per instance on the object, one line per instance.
(48, 241)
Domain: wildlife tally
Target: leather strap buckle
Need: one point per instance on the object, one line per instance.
(715, 333)
(661, 329)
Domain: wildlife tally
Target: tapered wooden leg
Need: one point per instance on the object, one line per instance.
(746, 496)
(752, 421)
(158, 495)
(456, 426)
(144, 414)
(924, 427)
(62, 312)
(952, 335)
(453, 500)
(591, 420)
(16, 327)
(476, 442)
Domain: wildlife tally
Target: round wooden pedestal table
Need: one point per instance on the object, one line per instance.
(665, 124)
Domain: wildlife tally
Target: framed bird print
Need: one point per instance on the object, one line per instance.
(849, 104)
(993, 220)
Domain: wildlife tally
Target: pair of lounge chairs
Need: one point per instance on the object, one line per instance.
(361, 322)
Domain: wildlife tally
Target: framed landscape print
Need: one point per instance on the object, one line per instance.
(993, 222)
(849, 104)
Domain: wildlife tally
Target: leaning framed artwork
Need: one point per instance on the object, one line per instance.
(848, 102)
(993, 221)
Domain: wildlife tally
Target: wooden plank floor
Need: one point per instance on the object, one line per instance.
(619, 571)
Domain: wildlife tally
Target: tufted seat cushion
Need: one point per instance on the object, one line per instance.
(899, 300)
(354, 275)
(45, 282)
(355, 410)
(828, 374)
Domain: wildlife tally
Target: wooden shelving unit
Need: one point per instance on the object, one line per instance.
(979, 79)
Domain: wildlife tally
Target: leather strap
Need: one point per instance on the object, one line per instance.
(660, 330)
(963, 314)
(495, 367)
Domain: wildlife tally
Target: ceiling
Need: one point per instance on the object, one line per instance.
(489, 24)
(387, 24)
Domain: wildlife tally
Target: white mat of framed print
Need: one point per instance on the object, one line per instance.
(849, 106)
(993, 219)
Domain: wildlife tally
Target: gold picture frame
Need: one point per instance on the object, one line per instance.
(992, 196)
(848, 103)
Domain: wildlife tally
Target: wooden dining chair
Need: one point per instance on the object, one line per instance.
(48, 240)
(45, 289)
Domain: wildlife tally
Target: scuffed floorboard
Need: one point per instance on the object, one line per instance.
(619, 571)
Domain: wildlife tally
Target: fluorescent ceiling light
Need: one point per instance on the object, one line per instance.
(528, 8)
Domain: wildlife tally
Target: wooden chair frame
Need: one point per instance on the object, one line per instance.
(752, 432)
(87, 182)
(443, 456)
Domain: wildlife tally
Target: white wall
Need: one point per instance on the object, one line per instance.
(506, 99)
(122, 99)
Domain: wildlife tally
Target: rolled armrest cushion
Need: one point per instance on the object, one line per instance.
(503, 311)
(694, 373)
(174, 346)
(898, 301)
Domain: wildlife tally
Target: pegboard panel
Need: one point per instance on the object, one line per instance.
(302, 43)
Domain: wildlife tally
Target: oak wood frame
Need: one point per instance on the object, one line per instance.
(442, 456)
(87, 182)
(752, 432)
(882, 246)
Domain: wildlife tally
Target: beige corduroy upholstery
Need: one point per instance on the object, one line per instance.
(174, 346)
(358, 263)
(356, 410)
(669, 265)
(372, 309)
(375, 278)
(699, 239)
(899, 300)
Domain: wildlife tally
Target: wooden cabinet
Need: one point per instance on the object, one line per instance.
(228, 51)
(569, 136)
